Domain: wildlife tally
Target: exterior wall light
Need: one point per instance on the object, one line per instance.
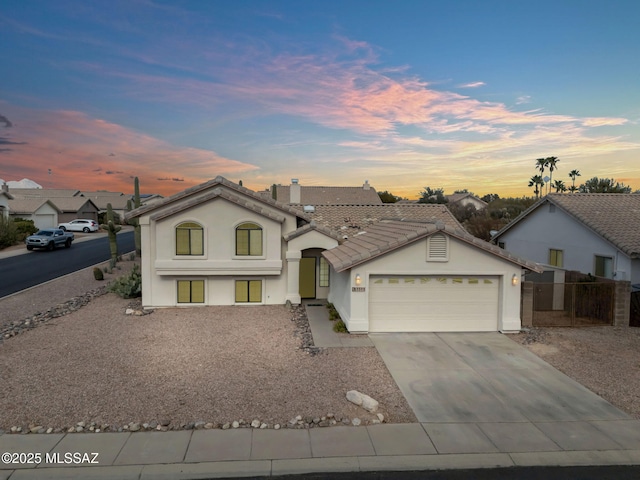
(358, 279)
(515, 280)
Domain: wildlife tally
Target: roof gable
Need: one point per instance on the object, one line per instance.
(613, 216)
(218, 187)
(29, 205)
(386, 236)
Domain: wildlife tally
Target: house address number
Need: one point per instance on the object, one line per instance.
(357, 289)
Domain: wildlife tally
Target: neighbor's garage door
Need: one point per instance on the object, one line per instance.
(45, 221)
(433, 303)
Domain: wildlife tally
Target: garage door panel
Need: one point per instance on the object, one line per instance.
(433, 304)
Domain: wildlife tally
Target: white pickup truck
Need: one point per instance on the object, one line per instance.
(49, 238)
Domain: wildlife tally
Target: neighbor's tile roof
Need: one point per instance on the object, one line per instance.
(196, 190)
(614, 216)
(72, 204)
(118, 202)
(347, 220)
(29, 206)
(386, 236)
(43, 192)
(312, 195)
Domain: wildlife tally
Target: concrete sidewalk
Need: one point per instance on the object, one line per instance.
(191, 454)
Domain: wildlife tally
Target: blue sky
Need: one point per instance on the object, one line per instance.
(451, 94)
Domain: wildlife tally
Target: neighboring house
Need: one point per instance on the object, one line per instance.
(222, 244)
(76, 207)
(43, 212)
(416, 277)
(46, 193)
(596, 233)
(117, 200)
(465, 199)
(297, 194)
(5, 196)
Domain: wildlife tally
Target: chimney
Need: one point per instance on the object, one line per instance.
(294, 191)
(366, 185)
(5, 187)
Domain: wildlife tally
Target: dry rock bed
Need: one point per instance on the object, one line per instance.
(606, 360)
(97, 368)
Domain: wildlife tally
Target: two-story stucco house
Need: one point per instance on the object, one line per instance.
(222, 244)
(596, 233)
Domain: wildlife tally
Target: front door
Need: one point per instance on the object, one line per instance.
(308, 277)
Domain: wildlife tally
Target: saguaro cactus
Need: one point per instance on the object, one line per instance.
(136, 222)
(112, 229)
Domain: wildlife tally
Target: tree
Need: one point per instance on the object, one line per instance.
(559, 186)
(490, 197)
(388, 197)
(604, 185)
(573, 174)
(536, 181)
(552, 163)
(429, 195)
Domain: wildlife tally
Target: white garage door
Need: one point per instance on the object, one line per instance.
(45, 221)
(433, 303)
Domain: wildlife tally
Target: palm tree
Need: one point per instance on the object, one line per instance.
(552, 163)
(559, 186)
(535, 182)
(573, 174)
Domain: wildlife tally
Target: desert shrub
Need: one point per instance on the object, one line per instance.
(333, 313)
(340, 327)
(8, 232)
(97, 273)
(24, 228)
(128, 286)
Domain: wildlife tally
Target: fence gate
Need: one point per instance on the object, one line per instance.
(573, 304)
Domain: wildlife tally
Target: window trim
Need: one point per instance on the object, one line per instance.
(175, 239)
(237, 228)
(191, 282)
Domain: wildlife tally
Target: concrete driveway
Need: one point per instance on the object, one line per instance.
(484, 377)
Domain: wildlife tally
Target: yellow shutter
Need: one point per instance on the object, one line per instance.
(184, 291)
(255, 237)
(242, 242)
(182, 241)
(197, 247)
(241, 291)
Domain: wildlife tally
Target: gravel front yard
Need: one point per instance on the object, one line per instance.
(211, 364)
(606, 360)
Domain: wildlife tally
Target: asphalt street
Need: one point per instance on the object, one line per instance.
(38, 266)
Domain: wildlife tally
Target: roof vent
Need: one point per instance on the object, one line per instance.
(309, 209)
(437, 248)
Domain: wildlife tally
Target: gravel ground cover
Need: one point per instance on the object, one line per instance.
(182, 365)
(606, 360)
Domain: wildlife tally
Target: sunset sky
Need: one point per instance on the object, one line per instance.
(406, 94)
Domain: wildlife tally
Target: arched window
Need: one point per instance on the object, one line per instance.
(189, 239)
(249, 239)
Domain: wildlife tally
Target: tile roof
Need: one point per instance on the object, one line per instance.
(614, 216)
(29, 206)
(347, 220)
(44, 192)
(388, 235)
(196, 190)
(312, 195)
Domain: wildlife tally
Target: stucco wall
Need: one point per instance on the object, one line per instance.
(340, 294)
(463, 260)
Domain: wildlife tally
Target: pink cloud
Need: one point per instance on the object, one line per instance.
(89, 153)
